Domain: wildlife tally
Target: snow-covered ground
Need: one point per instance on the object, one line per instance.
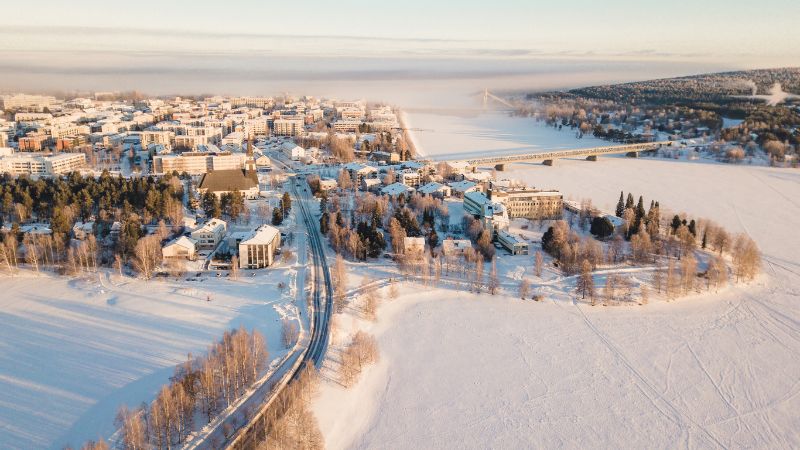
(460, 370)
(440, 136)
(73, 350)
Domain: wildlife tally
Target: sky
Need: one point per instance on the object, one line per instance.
(235, 45)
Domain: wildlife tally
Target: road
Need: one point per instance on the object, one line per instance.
(249, 435)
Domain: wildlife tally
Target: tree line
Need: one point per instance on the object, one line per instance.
(206, 385)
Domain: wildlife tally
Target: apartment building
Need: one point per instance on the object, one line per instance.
(18, 101)
(34, 142)
(210, 234)
(253, 102)
(409, 178)
(529, 203)
(347, 125)
(67, 129)
(288, 127)
(33, 164)
(158, 137)
(198, 163)
(359, 172)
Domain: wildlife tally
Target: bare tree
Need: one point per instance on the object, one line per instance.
(644, 294)
(672, 284)
(371, 304)
(32, 253)
(494, 282)
(609, 290)
(746, 257)
(717, 273)
(147, 255)
(585, 285)
(235, 267)
(289, 333)
(688, 272)
(524, 288)
(133, 433)
(340, 284)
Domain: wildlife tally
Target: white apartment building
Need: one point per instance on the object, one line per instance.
(14, 101)
(35, 164)
(32, 117)
(256, 127)
(253, 102)
(351, 114)
(68, 129)
(347, 125)
(197, 163)
(409, 178)
(235, 138)
(158, 137)
(288, 127)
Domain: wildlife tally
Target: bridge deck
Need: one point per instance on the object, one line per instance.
(574, 153)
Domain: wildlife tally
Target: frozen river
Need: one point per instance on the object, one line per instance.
(442, 136)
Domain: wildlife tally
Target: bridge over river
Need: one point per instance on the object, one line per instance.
(548, 157)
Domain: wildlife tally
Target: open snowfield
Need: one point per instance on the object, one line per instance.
(73, 350)
(707, 371)
(442, 136)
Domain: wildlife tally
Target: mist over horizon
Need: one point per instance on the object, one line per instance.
(408, 82)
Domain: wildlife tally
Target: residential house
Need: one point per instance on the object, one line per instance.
(180, 248)
(210, 234)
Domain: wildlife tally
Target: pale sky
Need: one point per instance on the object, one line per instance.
(383, 39)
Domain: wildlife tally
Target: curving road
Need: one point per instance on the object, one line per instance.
(251, 434)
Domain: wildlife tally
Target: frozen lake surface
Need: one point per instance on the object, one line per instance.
(441, 136)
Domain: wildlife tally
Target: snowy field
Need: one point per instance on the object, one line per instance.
(707, 371)
(443, 136)
(73, 350)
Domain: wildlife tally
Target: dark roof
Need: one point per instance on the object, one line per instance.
(229, 180)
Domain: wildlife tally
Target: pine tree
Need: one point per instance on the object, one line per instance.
(705, 238)
(620, 205)
(277, 216)
(640, 212)
(286, 203)
(676, 223)
(324, 223)
(629, 201)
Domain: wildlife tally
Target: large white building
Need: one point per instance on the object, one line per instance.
(15, 101)
(258, 250)
(347, 125)
(197, 163)
(36, 164)
(159, 137)
(288, 127)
